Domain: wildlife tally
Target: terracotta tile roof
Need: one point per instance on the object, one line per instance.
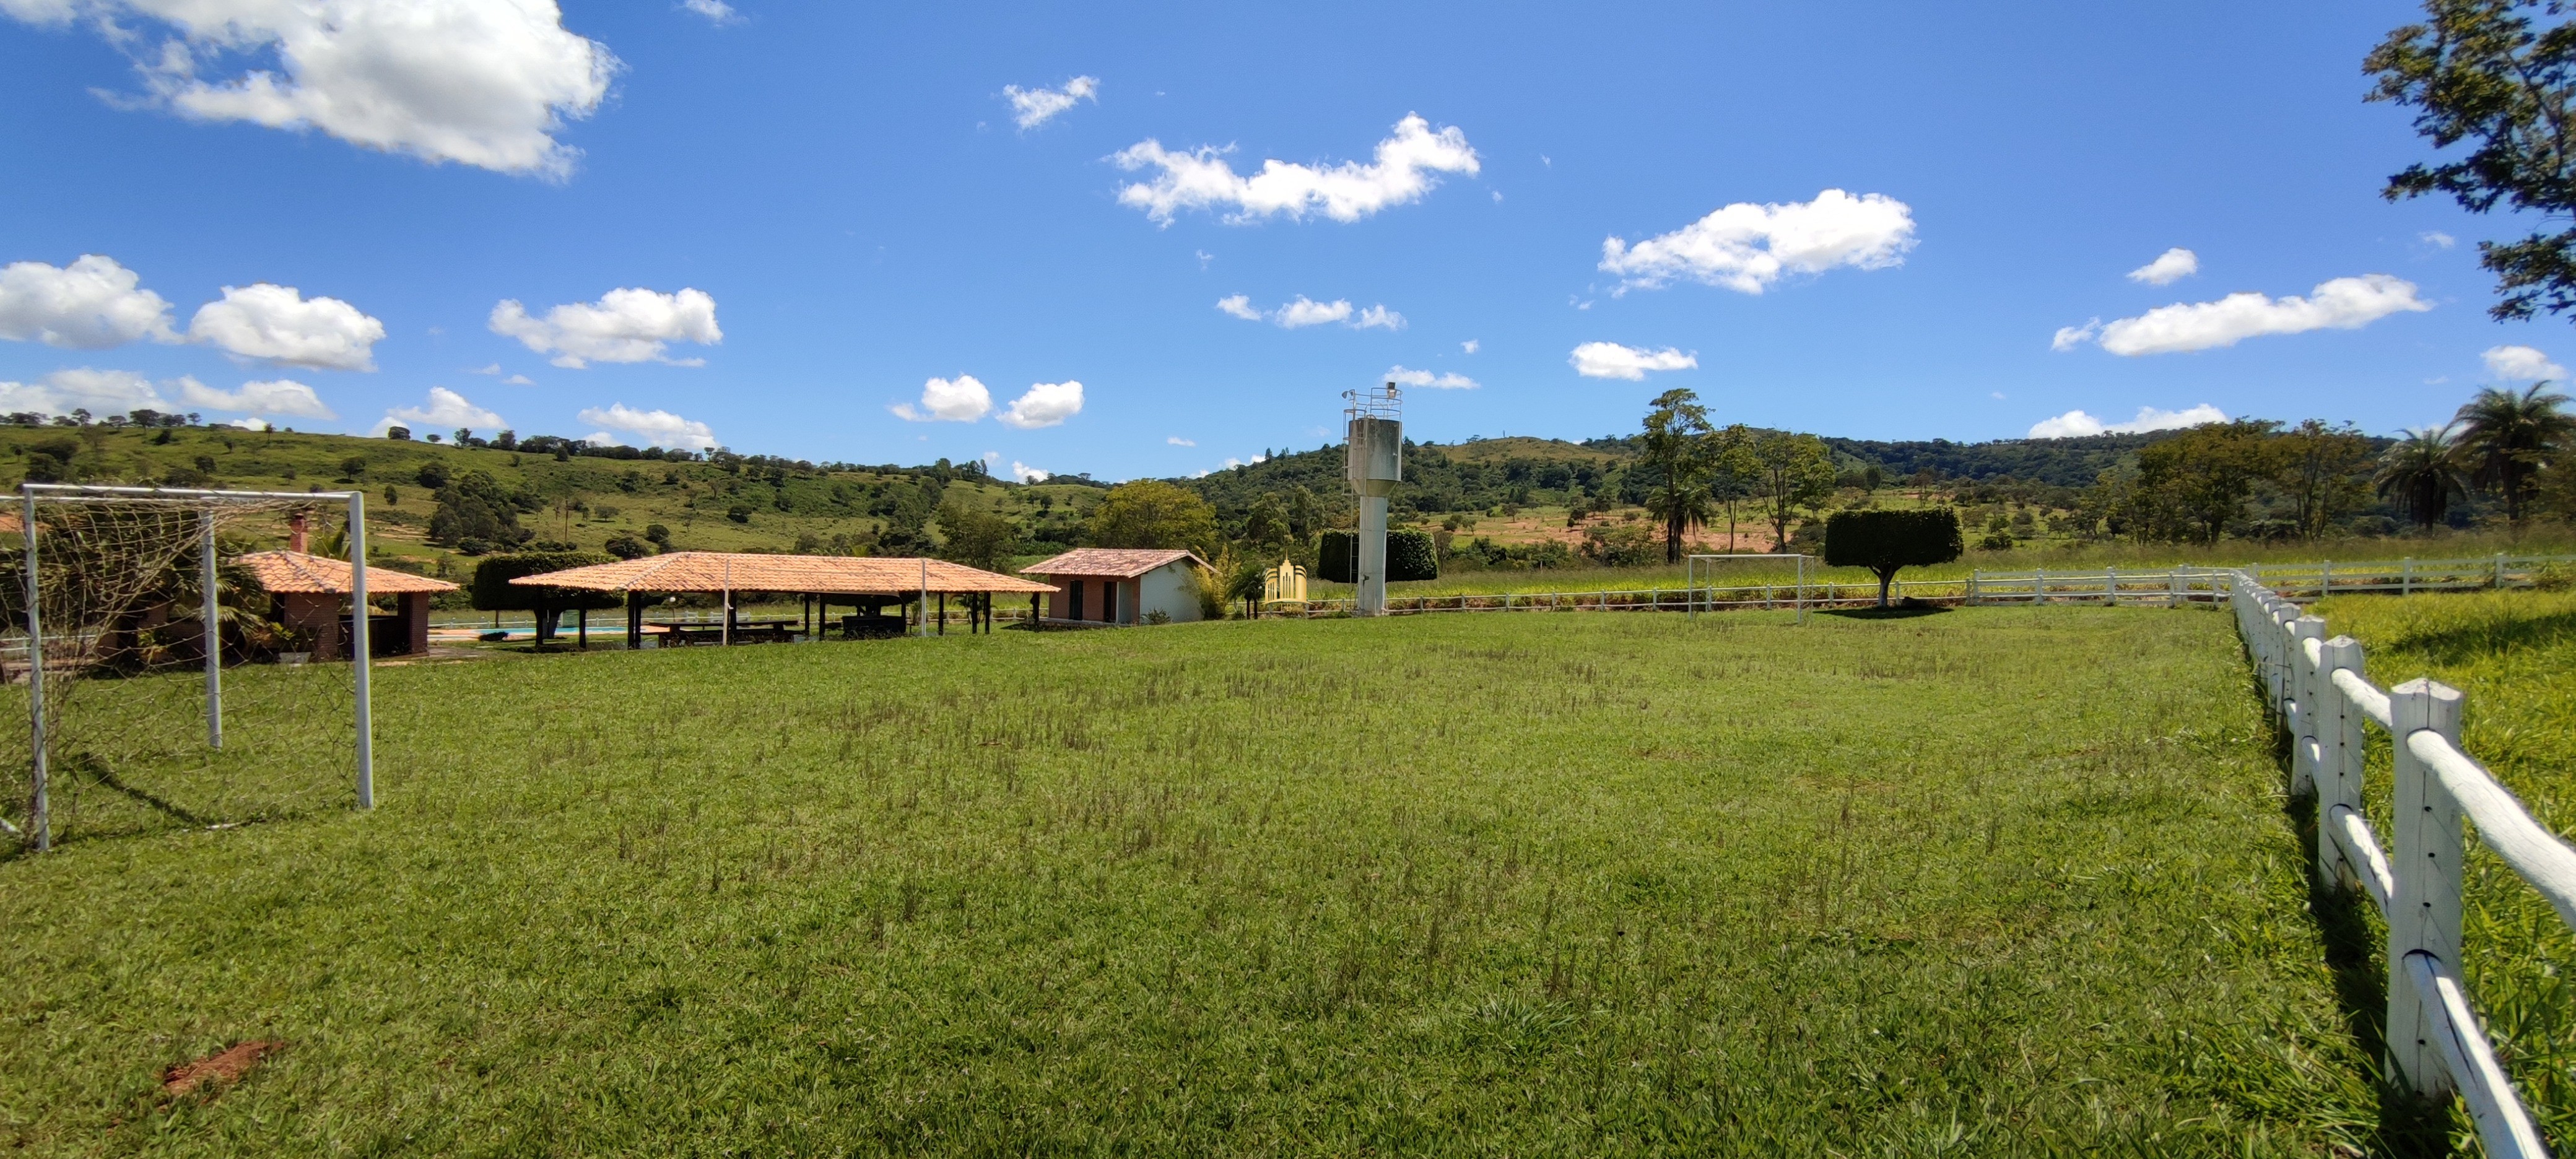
(1114, 562)
(709, 571)
(296, 571)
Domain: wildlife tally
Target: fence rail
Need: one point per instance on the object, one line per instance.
(2185, 584)
(2436, 1043)
(1818, 594)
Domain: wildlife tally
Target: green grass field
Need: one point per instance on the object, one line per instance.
(2514, 655)
(1996, 881)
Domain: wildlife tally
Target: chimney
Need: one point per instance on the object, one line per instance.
(295, 533)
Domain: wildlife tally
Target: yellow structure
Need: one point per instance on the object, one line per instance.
(1284, 582)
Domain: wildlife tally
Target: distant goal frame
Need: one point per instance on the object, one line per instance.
(1693, 566)
(31, 495)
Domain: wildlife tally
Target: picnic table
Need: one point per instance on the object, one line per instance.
(744, 632)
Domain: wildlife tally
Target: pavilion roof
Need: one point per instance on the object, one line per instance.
(279, 572)
(710, 571)
(1114, 562)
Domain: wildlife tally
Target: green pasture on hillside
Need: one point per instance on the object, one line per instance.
(1985, 882)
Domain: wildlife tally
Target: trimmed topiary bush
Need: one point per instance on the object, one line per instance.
(1410, 555)
(1885, 541)
(493, 591)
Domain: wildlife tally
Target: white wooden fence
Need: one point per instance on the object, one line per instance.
(2436, 1044)
(2183, 583)
(1817, 594)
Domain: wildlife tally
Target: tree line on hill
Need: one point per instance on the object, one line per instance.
(2502, 460)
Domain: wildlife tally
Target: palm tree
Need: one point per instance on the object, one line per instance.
(2422, 472)
(2512, 436)
(1676, 452)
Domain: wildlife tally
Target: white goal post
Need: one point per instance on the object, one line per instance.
(34, 497)
(1697, 566)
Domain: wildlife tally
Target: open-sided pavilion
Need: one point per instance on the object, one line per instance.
(867, 584)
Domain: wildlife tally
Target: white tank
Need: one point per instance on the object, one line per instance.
(1375, 466)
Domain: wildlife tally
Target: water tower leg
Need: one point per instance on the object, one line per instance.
(1372, 586)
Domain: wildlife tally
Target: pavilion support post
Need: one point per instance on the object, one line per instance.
(581, 627)
(943, 613)
(634, 620)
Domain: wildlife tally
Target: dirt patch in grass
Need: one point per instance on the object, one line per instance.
(216, 1071)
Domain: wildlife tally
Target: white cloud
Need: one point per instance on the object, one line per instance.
(1745, 247)
(2173, 265)
(277, 397)
(1611, 360)
(446, 409)
(1046, 404)
(625, 325)
(1426, 379)
(2340, 304)
(101, 392)
(2075, 422)
(1469, 345)
(1178, 441)
(493, 369)
(2070, 337)
(481, 82)
(518, 380)
(657, 428)
(715, 10)
(279, 324)
(1403, 172)
(957, 400)
(2437, 239)
(1028, 474)
(1306, 312)
(2521, 364)
(91, 304)
(1034, 107)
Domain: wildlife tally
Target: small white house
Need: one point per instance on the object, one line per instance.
(1114, 585)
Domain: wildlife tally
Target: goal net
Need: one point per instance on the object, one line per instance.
(158, 683)
(1757, 581)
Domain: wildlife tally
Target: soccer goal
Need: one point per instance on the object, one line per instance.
(1699, 574)
(143, 621)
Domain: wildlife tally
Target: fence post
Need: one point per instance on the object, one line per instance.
(1972, 585)
(2325, 580)
(2424, 911)
(2283, 614)
(2110, 587)
(2303, 694)
(2339, 775)
(2499, 568)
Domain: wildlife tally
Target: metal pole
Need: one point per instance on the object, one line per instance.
(359, 649)
(211, 638)
(39, 817)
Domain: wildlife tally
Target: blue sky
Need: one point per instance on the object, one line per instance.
(848, 192)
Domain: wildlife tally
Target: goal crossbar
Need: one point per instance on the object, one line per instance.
(40, 827)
